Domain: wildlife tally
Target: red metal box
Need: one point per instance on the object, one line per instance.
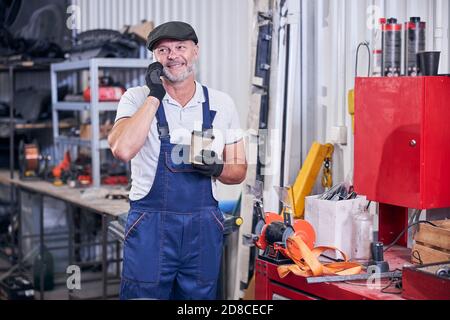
(427, 282)
(402, 140)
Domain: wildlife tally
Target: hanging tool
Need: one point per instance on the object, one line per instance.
(327, 178)
(319, 154)
(351, 92)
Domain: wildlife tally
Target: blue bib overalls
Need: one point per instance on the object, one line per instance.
(174, 235)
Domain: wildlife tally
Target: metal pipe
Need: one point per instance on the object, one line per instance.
(11, 122)
(11, 154)
(104, 254)
(364, 276)
(19, 222)
(41, 243)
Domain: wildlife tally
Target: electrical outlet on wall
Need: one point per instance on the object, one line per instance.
(339, 135)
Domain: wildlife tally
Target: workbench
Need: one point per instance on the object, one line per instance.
(269, 286)
(73, 198)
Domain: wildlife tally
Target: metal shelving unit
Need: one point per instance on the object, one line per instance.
(13, 69)
(94, 106)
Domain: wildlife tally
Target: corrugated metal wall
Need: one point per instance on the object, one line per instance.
(335, 28)
(223, 28)
(221, 25)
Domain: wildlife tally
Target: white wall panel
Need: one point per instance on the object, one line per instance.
(223, 29)
(336, 28)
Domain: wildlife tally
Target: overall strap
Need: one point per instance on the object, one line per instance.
(161, 122)
(208, 115)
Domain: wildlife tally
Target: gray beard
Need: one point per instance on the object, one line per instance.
(174, 79)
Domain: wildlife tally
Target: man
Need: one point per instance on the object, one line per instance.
(174, 232)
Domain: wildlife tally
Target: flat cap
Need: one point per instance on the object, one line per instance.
(171, 30)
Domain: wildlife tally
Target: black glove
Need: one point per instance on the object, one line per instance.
(153, 80)
(212, 166)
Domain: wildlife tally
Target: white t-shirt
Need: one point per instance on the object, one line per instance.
(182, 121)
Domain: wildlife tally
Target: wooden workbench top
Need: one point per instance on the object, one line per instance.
(87, 198)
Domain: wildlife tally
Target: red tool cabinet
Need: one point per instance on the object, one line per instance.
(402, 141)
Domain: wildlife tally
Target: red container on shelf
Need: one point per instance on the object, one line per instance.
(105, 94)
(402, 141)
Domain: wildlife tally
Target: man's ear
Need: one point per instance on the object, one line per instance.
(196, 49)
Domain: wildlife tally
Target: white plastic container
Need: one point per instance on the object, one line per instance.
(333, 222)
